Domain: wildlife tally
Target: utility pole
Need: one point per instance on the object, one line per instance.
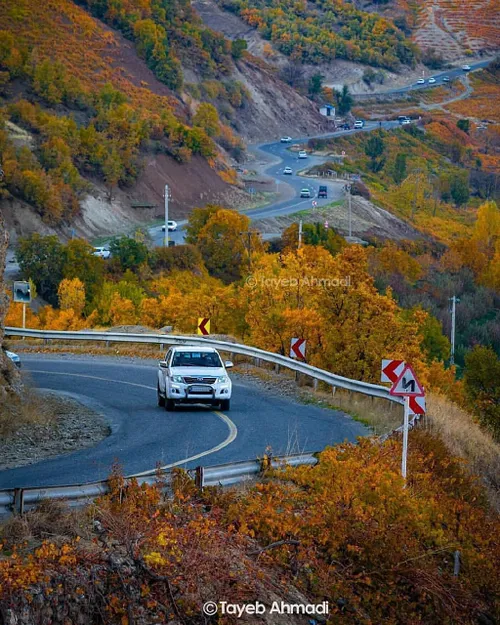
(454, 300)
(165, 238)
(348, 191)
(300, 234)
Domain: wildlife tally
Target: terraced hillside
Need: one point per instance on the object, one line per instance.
(455, 28)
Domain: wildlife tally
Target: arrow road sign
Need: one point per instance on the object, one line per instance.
(417, 405)
(407, 384)
(298, 348)
(391, 370)
(203, 326)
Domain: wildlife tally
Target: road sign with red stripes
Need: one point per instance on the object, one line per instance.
(417, 405)
(407, 385)
(391, 370)
(203, 326)
(298, 348)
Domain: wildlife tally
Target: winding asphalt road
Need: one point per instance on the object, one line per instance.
(143, 434)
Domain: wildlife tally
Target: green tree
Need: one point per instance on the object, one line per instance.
(464, 124)
(316, 84)
(197, 220)
(459, 188)
(42, 259)
(435, 344)
(238, 46)
(399, 173)
(344, 100)
(374, 148)
(80, 262)
(128, 252)
(207, 118)
(482, 386)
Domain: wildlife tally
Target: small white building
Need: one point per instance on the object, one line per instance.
(328, 111)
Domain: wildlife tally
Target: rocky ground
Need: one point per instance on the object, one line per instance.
(62, 426)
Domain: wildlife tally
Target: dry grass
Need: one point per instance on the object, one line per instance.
(30, 409)
(464, 438)
(51, 520)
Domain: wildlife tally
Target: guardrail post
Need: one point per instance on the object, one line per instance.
(315, 384)
(199, 478)
(334, 388)
(257, 362)
(276, 368)
(297, 377)
(18, 503)
(107, 343)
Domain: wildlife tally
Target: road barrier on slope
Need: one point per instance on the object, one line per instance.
(337, 381)
(20, 500)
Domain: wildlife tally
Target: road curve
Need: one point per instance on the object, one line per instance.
(143, 435)
(282, 157)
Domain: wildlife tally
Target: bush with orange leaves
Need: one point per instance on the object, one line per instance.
(345, 531)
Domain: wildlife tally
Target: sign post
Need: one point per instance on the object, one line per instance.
(404, 384)
(22, 294)
(406, 422)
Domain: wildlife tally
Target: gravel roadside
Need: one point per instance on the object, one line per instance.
(65, 426)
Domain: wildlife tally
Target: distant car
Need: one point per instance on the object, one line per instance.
(14, 357)
(432, 81)
(403, 118)
(359, 123)
(345, 126)
(446, 79)
(466, 68)
(288, 171)
(482, 127)
(421, 81)
(286, 139)
(305, 193)
(323, 192)
(172, 226)
(405, 122)
(102, 252)
(302, 154)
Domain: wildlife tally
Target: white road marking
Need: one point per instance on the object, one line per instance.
(233, 430)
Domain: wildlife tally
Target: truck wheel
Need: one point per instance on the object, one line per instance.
(225, 404)
(169, 404)
(161, 399)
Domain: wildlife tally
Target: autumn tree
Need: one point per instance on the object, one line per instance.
(227, 245)
(206, 117)
(238, 46)
(81, 262)
(71, 294)
(481, 377)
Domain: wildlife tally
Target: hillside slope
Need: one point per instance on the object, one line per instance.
(109, 128)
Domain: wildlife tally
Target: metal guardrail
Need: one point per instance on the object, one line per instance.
(373, 390)
(22, 499)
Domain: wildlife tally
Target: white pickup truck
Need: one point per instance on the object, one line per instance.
(193, 375)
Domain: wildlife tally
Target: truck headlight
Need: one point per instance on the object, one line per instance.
(177, 379)
(222, 379)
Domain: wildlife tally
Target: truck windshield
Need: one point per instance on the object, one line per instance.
(196, 359)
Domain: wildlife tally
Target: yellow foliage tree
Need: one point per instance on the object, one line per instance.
(122, 311)
(71, 294)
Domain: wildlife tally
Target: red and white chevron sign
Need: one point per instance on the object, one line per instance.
(391, 370)
(417, 405)
(298, 348)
